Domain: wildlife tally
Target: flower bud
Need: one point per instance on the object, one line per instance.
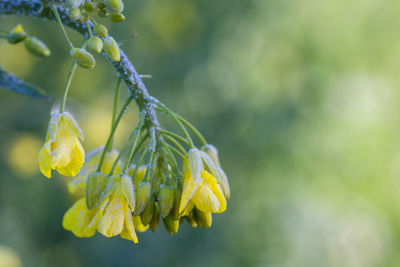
(192, 222)
(171, 225)
(147, 214)
(74, 13)
(114, 5)
(100, 30)
(95, 184)
(74, 3)
(83, 58)
(37, 47)
(16, 35)
(142, 193)
(166, 199)
(117, 17)
(155, 219)
(203, 219)
(212, 152)
(89, 6)
(102, 13)
(111, 49)
(95, 44)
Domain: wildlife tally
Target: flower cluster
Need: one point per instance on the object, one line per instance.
(157, 175)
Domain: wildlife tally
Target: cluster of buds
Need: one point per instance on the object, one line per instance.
(32, 43)
(157, 175)
(80, 10)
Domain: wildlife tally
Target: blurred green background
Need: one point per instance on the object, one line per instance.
(301, 98)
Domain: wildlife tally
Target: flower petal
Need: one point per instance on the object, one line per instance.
(112, 222)
(75, 165)
(44, 161)
(78, 218)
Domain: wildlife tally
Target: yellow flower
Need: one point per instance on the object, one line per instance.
(200, 187)
(90, 166)
(112, 215)
(62, 150)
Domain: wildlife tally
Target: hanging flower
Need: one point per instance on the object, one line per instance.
(62, 150)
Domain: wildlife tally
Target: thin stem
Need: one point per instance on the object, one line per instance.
(174, 150)
(194, 130)
(135, 138)
(176, 136)
(175, 118)
(115, 104)
(173, 141)
(67, 86)
(89, 29)
(108, 143)
(55, 12)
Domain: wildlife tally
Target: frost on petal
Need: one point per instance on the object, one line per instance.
(44, 161)
(78, 218)
(112, 222)
(211, 183)
(54, 125)
(61, 150)
(70, 123)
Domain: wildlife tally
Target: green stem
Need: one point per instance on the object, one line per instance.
(174, 150)
(55, 12)
(176, 136)
(194, 130)
(173, 141)
(110, 137)
(89, 29)
(67, 86)
(135, 138)
(115, 104)
(175, 118)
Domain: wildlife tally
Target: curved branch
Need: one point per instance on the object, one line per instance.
(124, 68)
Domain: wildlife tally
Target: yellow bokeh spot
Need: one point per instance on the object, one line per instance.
(22, 156)
(8, 257)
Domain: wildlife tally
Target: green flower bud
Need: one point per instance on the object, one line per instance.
(89, 6)
(36, 47)
(16, 35)
(102, 13)
(74, 3)
(155, 219)
(95, 44)
(147, 214)
(166, 199)
(203, 219)
(83, 58)
(142, 193)
(117, 17)
(111, 49)
(171, 225)
(212, 152)
(114, 5)
(74, 13)
(100, 30)
(192, 222)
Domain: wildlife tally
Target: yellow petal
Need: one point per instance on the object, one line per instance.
(216, 189)
(75, 165)
(189, 188)
(78, 218)
(137, 222)
(129, 228)
(61, 150)
(44, 161)
(205, 199)
(112, 222)
(70, 123)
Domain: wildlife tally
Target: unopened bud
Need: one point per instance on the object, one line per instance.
(204, 219)
(142, 193)
(83, 58)
(74, 3)
(74, 13)
(111, 49)
(212, 152)
(192, 222)
(171, 225)
(225, 185)
(95, 44)
(155, 219)
(166, 198)
(147, 213)
(100, 30)
(89, 6)
(16, 35)
(117, 17)
(37, 47)
(114, 5)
